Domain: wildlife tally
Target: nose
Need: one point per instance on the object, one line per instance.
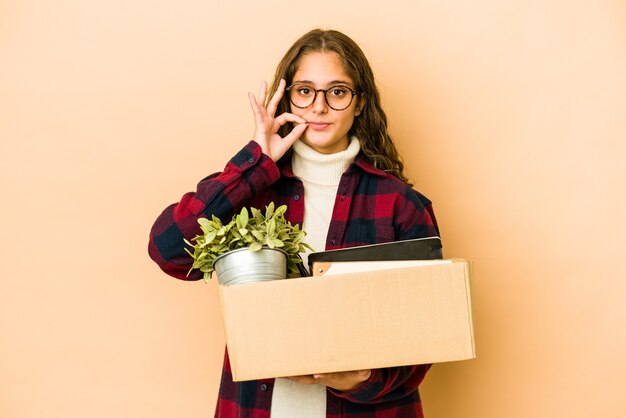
(319, 103)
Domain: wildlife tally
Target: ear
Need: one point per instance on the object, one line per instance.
(359, 106)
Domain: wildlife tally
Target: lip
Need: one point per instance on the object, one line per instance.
(318, 126)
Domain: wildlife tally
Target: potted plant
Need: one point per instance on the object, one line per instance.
(248, 248)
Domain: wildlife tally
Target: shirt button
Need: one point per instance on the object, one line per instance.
(264, 387)
(251, 159)
(296, 197)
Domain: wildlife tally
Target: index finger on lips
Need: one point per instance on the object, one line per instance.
(289, 117)
(294, 135)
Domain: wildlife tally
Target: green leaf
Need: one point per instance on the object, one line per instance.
(211, 236)
(255, 246)
(217, 249)
(271, 227)
(244, 217)
(277, 243)
(269, 210)
(280, 211)
(258, 235)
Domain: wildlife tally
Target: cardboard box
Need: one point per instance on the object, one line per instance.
(388, 317)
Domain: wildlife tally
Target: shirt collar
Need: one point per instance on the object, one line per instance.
(361, 162)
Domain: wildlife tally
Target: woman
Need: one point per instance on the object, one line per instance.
(321, 147)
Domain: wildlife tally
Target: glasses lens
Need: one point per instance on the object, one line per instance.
(339, 97)
(301, 95)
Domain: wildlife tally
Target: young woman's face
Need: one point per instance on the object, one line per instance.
(327, 132)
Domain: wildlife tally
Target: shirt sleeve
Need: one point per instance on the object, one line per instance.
(386, 385)
(220, 194)
(414, 217)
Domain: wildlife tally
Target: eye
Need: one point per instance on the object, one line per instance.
(338, 91)
(304, 90)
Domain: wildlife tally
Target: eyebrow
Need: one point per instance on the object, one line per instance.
(330, 83)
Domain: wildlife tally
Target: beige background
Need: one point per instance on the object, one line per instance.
(509, 114)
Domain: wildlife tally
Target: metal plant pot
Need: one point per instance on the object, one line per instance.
(245, 266)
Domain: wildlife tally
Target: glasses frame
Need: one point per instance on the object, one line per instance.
(353, 93)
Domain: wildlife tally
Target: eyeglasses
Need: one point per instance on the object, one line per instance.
(337, 97)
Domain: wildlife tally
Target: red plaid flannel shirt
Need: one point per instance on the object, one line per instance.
(371, 207)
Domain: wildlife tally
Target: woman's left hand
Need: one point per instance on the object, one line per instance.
(267, 125)
(343, 381)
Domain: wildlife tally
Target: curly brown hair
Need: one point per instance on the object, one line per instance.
(371, 125)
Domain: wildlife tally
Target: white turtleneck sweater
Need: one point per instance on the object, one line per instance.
(320, 174)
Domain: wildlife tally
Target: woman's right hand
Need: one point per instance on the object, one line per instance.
(267, 126)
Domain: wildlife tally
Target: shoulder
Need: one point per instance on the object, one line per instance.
(411, 211)
(376, 181)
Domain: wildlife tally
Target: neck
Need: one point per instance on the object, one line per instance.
(322, 169)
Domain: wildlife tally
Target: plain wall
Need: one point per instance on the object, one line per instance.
(511, 117)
